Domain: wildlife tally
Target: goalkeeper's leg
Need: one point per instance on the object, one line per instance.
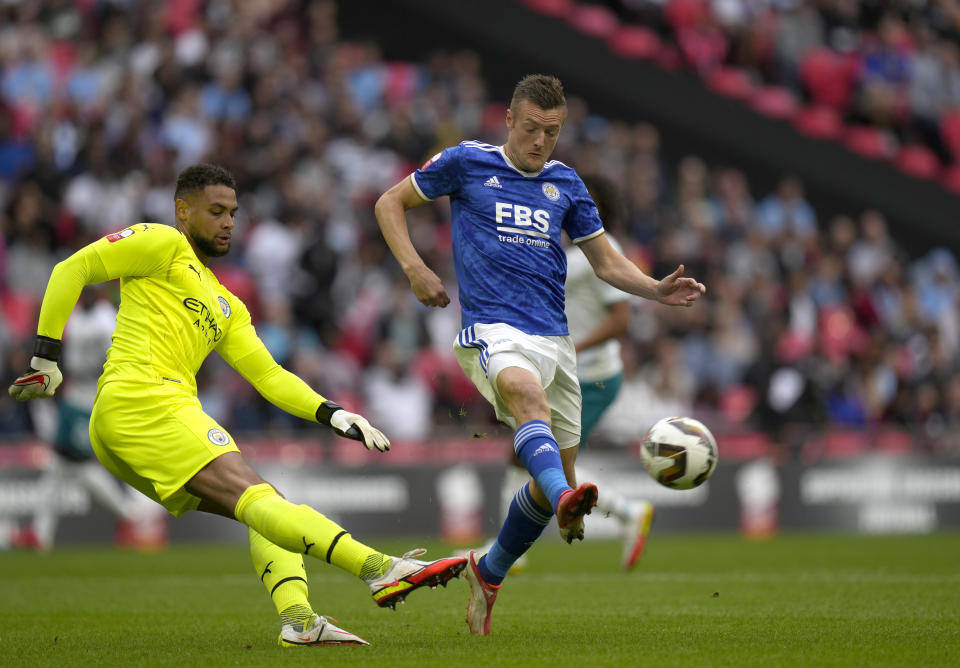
(303, 530)
(285, 578)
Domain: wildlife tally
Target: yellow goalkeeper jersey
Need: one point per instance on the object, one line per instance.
(173, 313)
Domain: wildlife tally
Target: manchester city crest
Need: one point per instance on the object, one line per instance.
(218, 437)
(224, 306)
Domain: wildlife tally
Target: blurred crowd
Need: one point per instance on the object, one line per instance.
(809, 322)
(893, 64)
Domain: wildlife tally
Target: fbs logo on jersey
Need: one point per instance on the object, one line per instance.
(122, 234)
(431, 160)
(218, 437)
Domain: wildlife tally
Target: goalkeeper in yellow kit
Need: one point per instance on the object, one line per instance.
(149, 429)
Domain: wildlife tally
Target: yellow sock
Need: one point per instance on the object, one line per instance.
(301, 529)
(284, 576)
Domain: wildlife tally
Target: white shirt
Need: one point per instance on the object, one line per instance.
(88, 334)
(588, 302)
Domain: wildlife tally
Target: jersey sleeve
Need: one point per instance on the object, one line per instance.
(440, 175)
(245, 352)
(140, 250)
(63, 289)
(582, 221)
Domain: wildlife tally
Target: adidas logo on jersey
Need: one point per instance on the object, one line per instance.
(493, 182)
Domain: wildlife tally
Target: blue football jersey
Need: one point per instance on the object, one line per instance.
(507, 252)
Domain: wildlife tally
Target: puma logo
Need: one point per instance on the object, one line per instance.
(306, 546)
(192, 268)
(265, 571)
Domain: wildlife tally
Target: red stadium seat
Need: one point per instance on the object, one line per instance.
(775, 101)
(950, 131)
(550, 7)
(828, 77)
(669, 58)
(19, 311)
(841, 443)
(918, 161)
(684, 13)
(635, 42)
(950, 178)
(820, 122)
(868, 141)
(895, 442)
(743, 445)
(594, 20)
(730, 81)
(737, 403)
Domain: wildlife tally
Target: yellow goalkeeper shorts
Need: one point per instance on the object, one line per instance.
(155, 438)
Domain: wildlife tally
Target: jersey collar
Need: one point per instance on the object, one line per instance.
(503, 153)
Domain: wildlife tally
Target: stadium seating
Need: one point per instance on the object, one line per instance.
(820, 122)
(918, 161)
(776, 102)
(635, 42)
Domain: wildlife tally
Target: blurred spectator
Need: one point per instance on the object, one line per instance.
(787, 212)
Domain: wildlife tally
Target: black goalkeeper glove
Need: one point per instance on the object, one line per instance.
(43, 377)
(351, 425)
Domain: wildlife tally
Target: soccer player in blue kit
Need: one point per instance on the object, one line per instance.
(509, 206)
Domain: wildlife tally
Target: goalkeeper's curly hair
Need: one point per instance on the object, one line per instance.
(199, 176)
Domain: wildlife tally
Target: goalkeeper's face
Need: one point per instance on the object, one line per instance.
(207, 217)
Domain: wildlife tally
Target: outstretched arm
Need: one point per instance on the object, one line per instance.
(63, 290)
(618, 271)
(391, 216)
(138, 250)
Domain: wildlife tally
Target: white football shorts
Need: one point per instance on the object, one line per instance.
(484, 350)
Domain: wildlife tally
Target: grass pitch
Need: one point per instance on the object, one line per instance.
(704, 600)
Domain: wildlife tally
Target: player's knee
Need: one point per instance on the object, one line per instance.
(524, 395)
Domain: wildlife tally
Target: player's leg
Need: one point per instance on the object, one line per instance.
(283, 575)
(41, 532)
(515, 477)
(203, 470)
(228, 479)
(104, 489)
(635, 517)
(511, 374)
(534, 442)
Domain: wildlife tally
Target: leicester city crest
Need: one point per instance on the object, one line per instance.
(551, 192)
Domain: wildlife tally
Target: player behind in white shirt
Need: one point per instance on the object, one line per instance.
(87, 337)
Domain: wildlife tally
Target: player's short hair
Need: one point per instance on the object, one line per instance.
(543, 90)
(199, 176)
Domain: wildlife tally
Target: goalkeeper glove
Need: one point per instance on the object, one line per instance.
(43, 377)
(351, 425)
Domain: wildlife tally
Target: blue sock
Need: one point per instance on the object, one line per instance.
(524, 524)
(537, 449)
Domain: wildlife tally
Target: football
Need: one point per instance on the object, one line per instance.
(679, 452)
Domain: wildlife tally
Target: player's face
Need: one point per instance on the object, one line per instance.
(532, 134)
(207, 218)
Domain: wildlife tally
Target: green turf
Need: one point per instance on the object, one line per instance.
(798, 600)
